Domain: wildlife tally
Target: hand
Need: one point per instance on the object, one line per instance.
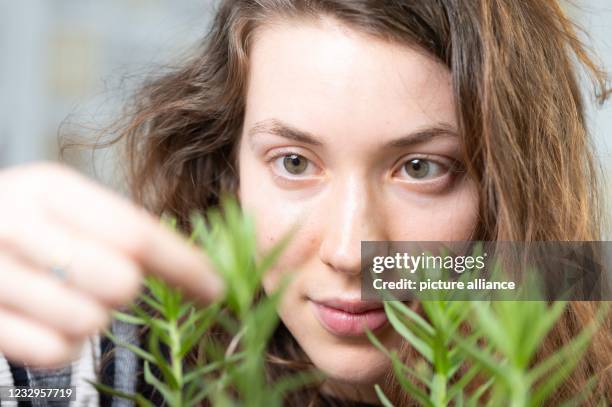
(51, 216)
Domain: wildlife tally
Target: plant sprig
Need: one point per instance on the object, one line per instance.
(471, 353)
(225, 373)
(478, 353)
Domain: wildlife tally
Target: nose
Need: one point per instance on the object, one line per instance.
(351, 215)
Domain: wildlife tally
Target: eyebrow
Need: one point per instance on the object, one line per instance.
(423, 135)
(278, 128)
(418, 136)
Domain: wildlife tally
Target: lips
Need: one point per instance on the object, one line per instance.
(349, 317)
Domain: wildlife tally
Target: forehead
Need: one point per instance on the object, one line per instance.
(329, 79)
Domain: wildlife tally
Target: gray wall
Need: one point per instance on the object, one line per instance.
(78, 59)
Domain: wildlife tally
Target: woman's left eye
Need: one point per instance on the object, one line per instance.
(422, 169)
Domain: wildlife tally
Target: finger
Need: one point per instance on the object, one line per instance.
(48, 301)
(96, 212)
(96, 270)
(31, 343)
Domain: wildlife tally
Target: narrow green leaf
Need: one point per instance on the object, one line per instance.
(494, 330)
(127, 318)
(156, 288)
(377, 344)
(564, 362)
(416, 318)
(480, 391)
(161, 361)
(420, 345)
(136, 398)
(465, 379)
(197, 324)
(382, 397)
(193, 399)
(153, 304)
(571, 349)
(539, 328)
(200, 371)
(165, 391)
(132, 348)
(407, 385)
(483, 358)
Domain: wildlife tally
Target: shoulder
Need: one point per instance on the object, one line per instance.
(75, 374)
(99, 361)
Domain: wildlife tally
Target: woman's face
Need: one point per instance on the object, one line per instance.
(350, 138)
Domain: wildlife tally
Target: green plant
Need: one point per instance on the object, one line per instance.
(224, 375)
(488, 347)
(472, 353)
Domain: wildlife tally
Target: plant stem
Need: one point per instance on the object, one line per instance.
(176, 361)
(519, 389)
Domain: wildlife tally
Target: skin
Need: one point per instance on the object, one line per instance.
(353, 96)
(53, 216)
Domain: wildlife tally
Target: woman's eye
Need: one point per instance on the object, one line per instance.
(294, 164)
(420, 169)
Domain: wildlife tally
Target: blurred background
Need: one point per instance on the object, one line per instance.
(70, 65)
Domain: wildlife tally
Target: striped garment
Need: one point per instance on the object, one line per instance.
(120, 372)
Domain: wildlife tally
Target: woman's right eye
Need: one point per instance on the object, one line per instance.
(294, 165)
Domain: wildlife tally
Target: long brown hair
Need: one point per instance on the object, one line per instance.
(515, 67)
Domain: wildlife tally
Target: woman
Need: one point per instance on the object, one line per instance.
(359, 120)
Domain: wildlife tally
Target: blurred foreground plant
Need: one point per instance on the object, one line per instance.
(228, 372)
(471, 353)
(482, 353)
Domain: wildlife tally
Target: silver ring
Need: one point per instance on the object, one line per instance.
(59, 272)
(59, 264)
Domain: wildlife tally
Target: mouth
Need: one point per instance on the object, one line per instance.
(349, 317)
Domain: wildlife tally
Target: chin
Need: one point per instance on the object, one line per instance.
(356, 368)
(347, 360)
(343, 359)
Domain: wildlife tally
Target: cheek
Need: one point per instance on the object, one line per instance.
(442, 218)
(275, 218)
(299, 255)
